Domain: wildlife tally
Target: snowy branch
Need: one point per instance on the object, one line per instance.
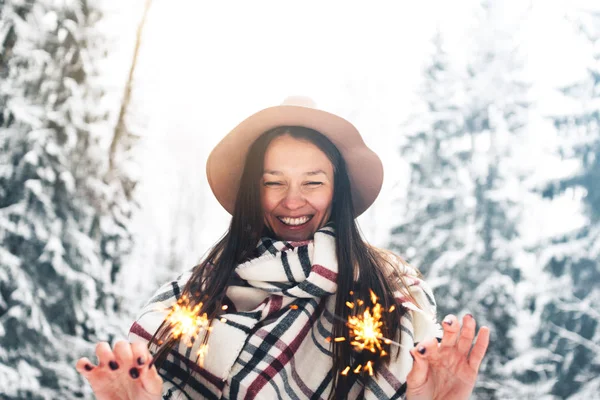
(582, 306)
(576, 338)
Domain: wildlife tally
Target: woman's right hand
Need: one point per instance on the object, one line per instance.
(125, 373)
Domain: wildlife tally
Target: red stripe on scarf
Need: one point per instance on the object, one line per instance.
(275, 303)
(324, 272)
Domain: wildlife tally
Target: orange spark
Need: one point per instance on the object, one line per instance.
(373, 297)
(369, 367)
(201, 354)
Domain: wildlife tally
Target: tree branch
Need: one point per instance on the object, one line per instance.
(576, 338)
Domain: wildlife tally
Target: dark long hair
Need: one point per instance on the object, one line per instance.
(356, 258)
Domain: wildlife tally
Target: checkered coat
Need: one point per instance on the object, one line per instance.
(272, 343)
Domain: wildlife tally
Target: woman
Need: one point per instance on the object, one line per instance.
(294, 179)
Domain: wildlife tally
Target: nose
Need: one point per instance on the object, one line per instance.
(294, 199)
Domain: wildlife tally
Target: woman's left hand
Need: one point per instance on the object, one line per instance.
(448, 370)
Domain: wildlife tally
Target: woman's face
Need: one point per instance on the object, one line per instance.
(296, 188)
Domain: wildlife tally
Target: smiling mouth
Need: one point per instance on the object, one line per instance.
(295, 221)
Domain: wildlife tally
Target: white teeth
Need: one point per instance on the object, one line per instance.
(294, 221)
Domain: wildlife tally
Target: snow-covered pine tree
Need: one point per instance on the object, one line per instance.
(566, 345)
(436, 203)
(63, 225)
(463, 205)
(496, 120)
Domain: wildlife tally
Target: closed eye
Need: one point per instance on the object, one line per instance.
(272, 183)
(314, 183)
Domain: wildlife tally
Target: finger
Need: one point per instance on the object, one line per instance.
(467, 333)
(84, 366)
(150, 378)
(140, 354)
(123, 354)
(144, 363)
(417, 377)
(105, 355)
(451, 328)
(140, 358)
(479, 348)
(431, 349)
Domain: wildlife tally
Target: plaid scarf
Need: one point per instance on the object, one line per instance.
(272, 343)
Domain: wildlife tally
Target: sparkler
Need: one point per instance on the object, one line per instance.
(187, 324)
(366, 332)
(185, 321)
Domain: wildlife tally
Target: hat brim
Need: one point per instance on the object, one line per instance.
(225, 163)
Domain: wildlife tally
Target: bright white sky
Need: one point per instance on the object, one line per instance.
(205, 66)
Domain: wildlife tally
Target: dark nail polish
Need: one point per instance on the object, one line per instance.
(448, 322)
(470, 316)
(88, 367)
(134, 373)
(141, 361)
(421, 350)
(113, 365)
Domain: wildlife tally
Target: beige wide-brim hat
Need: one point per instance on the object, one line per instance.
(226, 162)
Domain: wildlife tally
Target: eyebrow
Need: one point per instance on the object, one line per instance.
(310, 173)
